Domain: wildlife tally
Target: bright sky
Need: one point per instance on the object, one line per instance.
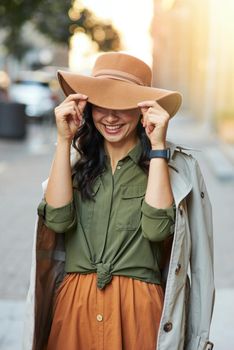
(130, 17)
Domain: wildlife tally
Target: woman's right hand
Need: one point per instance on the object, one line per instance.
(69, 116)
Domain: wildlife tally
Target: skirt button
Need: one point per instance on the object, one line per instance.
(99, 317)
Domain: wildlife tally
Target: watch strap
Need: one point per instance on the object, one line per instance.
(160, 153)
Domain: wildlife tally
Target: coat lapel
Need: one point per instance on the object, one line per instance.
(180, 183)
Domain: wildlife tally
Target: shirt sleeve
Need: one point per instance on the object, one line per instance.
(157, 224)
(60, 219)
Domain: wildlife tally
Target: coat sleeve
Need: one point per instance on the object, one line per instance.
(202, 293)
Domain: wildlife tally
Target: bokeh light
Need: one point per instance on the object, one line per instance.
(132, 19)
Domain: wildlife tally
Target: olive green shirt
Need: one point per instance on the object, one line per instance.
(118, 233)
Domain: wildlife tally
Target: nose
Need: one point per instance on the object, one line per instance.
(111, 115)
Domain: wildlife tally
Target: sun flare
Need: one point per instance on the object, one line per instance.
(133, 27)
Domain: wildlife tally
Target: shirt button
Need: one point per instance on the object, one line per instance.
(99, 317)
(118, 167)
(167, 327)
(202, 194)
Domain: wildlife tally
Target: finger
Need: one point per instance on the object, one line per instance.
(148, 103)
(82, 105)
(160, 119)
(73, 105)
(72, 110)
(74, 97)
(64, 112)
(153, 104)
(73, 117)
(150, 128)
(78, 112)
(150, 123)
(144, 106)
(69, 104)
(77, 96)
(147, 117)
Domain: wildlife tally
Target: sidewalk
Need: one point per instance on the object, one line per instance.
(23, 166)
(11, 324)
(221, 333)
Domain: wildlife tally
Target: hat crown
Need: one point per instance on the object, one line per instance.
(121, 66)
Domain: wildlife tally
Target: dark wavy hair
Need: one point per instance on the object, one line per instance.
(89, 144)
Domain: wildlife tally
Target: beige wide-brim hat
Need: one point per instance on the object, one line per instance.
(119, 81)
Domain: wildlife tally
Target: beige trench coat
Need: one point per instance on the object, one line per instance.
(188, 271)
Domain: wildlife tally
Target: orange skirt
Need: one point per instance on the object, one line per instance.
(124, 315)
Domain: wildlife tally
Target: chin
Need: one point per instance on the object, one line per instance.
(113, 139)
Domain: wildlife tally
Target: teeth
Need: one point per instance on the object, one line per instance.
(113, 127)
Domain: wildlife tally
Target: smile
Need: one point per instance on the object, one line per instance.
(113, 127)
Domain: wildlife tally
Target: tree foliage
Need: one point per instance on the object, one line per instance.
(57, 20)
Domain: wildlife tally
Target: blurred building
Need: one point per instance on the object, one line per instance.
(194, 53)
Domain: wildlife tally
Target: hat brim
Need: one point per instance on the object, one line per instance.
(117, 94)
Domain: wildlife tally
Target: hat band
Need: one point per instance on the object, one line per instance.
(117, 74)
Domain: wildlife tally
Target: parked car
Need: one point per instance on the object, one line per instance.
(37, 95)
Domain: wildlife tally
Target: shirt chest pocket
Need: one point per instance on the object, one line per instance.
(129, 209)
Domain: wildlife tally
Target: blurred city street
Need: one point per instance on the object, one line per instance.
(25, 164)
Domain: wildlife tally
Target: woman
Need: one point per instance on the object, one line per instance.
(114, 208)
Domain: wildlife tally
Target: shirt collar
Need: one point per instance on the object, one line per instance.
(134, 154)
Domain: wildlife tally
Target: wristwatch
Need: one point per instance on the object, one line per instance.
(160, 153)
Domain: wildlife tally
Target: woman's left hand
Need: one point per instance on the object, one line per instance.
(155, 121)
